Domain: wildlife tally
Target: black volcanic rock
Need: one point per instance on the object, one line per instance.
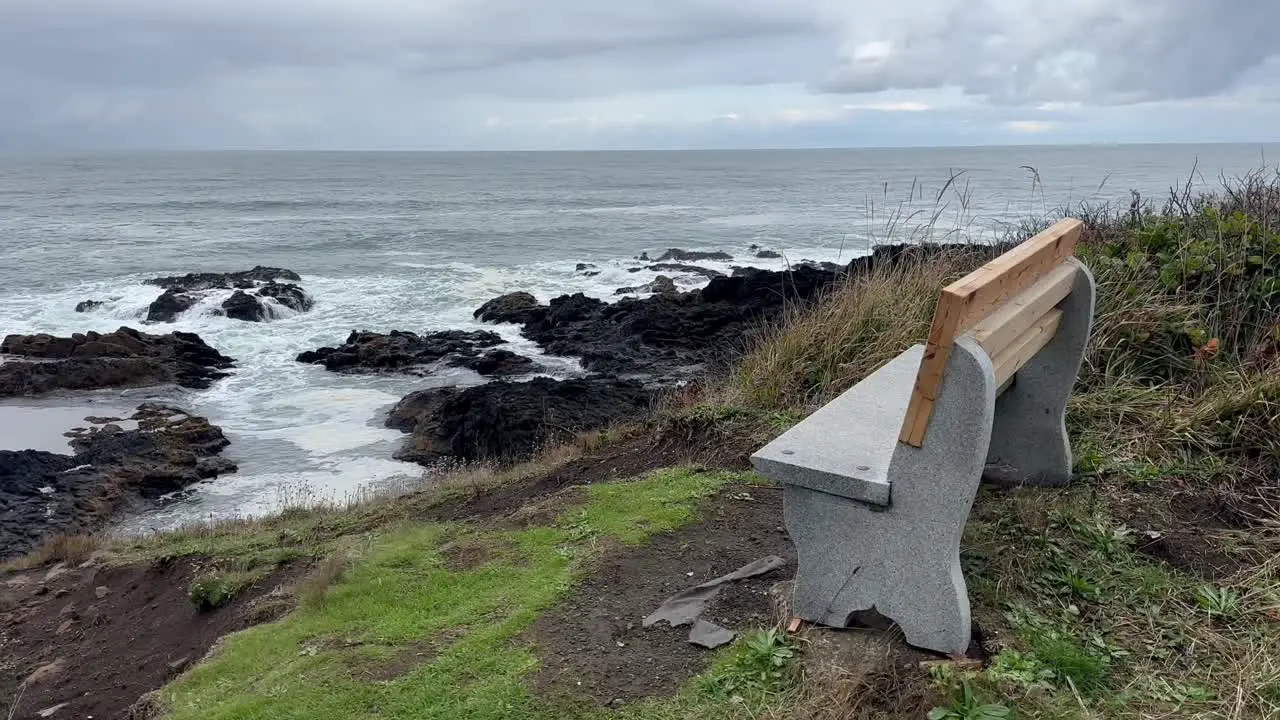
(501, 363)
(44, 493)
(288, 295)
(88, 305)
(516, 307)
(245, 279)
(660, 284)
(669, 335)
(399, 351)
(688, 269)
(509, 421)
(243, 306)
(124, 358)
(247, 303)
(692, 255)
(170, 305)
(768, 255)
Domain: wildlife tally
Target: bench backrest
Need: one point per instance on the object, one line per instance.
(1007, 306)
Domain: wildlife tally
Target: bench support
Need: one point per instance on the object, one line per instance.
(1030, 431)
(903, 560)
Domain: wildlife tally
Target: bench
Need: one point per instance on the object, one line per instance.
(879, 482)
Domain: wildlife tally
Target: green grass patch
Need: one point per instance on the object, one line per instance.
(399, 599)
(215, 589)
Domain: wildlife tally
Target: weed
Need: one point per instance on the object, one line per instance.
(213, 590)
(1219, 602)
(760, 664)
(965, 705)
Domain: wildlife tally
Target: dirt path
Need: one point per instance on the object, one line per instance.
(593, 645)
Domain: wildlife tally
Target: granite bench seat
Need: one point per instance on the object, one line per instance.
(845, 447)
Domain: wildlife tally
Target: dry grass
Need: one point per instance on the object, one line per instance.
(815, 353)
(314, 588)
(1175, 423)
(69, 548)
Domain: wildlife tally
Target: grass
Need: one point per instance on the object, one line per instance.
(399, 634)
(1175, 423)
(1148, 589)
(213, 590)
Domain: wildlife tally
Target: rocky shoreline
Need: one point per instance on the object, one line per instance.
(629, 351)
(113, 469)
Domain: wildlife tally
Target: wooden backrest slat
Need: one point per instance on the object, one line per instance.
(997, 330)
(1025, 346)
(963, 303)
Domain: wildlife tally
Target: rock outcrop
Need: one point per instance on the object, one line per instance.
(170, 305)
(91, 361)
(255, 291)
(661, 284)
(669, 335)
(243, 280)
(508, 421)
(398, 351)
(88, 305)
(516, 307)
(691, 255)
(112, 470)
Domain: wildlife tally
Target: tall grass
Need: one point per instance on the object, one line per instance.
(1185, 352)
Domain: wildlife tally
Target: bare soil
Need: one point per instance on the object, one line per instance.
(95, 639)
(593, 646)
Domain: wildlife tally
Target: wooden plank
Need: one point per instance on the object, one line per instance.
(971, 298)
(995, 331)
(1025, 346)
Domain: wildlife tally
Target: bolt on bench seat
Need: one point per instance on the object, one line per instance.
(879, 482)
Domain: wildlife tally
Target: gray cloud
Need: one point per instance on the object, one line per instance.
(427, 72)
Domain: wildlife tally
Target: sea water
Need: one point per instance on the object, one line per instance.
(417, 241)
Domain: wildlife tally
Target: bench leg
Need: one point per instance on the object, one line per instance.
(903, 560)
(1029, 431)
(853, 557)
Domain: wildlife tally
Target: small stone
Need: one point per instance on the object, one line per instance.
(61, 592)
(46, 672)
(49, 711)
(69, 611)
(101, 591)
(66, 626)
(180, 663)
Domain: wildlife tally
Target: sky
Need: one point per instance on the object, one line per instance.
(633, 74)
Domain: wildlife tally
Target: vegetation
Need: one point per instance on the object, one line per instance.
(1148, 589)
(1151, 590)
(401, 634)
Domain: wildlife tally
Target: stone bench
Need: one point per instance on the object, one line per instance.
(879, 482)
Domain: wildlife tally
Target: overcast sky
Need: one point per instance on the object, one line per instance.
(505, 74)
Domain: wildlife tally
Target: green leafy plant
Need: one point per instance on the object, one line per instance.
(967, 706)
(760, 663)
(1021, 669)
(1220, 602)
(213, 590)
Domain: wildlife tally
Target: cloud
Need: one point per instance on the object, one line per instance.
(433, 73)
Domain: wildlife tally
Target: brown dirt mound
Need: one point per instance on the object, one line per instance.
(106, 636)
(594, 647)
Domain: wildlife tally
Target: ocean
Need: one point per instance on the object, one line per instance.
(417, 241)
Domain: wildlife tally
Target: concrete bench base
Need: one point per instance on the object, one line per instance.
(877, 523)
